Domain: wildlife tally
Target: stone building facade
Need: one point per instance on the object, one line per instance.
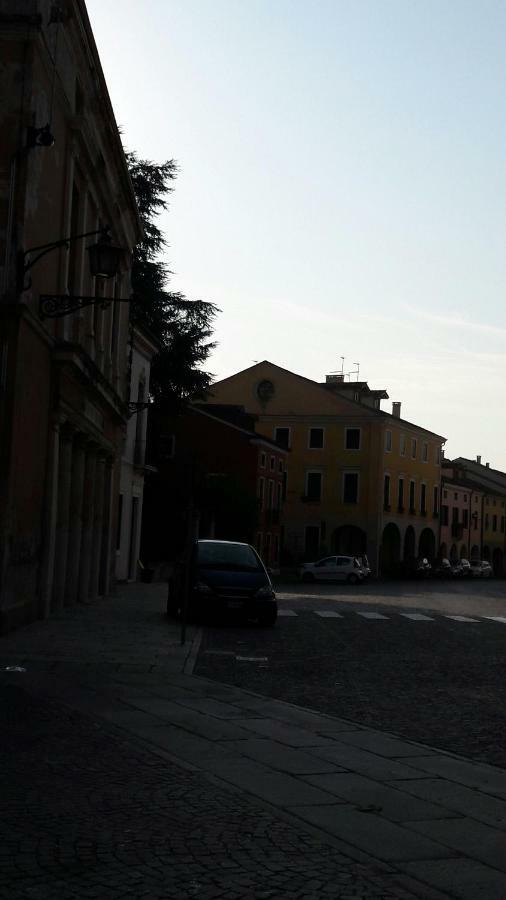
(64, 380)
(133, 464)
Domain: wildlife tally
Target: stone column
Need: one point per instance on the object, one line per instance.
(87, 532)
(98, 526)
(49, 522)
(63, 517)
(75, 519)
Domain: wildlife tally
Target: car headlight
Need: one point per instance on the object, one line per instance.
(264, 593)
(202, 588)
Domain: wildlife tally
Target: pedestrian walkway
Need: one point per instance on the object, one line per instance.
(127, 776)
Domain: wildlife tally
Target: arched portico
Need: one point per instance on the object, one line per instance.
(427, 544)
(497, 561)
(390, 550)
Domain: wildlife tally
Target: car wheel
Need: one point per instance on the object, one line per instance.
(352, 579)
(307, 577)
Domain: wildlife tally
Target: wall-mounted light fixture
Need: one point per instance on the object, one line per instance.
(104, 260)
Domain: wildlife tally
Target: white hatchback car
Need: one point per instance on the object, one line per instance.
(333, 568)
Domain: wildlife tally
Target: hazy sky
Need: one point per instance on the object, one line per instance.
(341, 188)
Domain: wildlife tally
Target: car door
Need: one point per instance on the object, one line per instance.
(343, 567)
(326, 569)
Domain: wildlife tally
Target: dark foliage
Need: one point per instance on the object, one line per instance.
(183, 327)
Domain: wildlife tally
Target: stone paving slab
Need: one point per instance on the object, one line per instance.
(382, 839)
(381, 744)
(470, 838)
(366, 794)
(292, 735)
(463, 800)
(471, 774)
(463, 879)
(281, 757)
(366, 763)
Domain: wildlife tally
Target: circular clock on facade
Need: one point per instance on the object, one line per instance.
(265, 390)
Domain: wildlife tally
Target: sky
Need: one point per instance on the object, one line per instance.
(341, 187)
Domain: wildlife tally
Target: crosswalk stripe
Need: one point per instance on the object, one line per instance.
(371, 615)
(286, 612)
(417, 617)
(461, 619)
(496, 619)
(328, 614)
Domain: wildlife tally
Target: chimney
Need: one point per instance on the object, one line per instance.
(487, 465)
(478, 460)
(396, 409)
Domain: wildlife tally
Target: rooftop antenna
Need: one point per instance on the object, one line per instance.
(357, 370)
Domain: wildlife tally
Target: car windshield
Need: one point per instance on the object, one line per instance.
(212, 555)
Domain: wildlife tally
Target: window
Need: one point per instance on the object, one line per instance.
(445, 494)
(280, 466)
(444, 515)
(316, 438)
(423, 499)
(438, 455)
(413, 448)
(388, 441)
(502, 524)
(412, 497)
(400, 495)
(455, 515)
(465, 518)
(261, 485)
(270, 496)
(282, 436)
(455, 496)
(352, 439)
(386, 492)
(425, 453)
(402, 445)
(465, 498)
(494, 523)
(486, 522)
(273, 463)
(262, 460)
(313, 485)
(279, 494)
(350, 487)
(435, 500)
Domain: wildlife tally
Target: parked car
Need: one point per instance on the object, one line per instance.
(226, 578)
(480, 568)
(417, 568)
(333, 568)
(364, 563)
(443, 569)
(461, 568)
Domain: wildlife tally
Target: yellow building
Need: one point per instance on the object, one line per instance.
(359, 480)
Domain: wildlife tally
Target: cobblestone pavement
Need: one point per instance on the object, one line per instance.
(89, 813)
(437, 681)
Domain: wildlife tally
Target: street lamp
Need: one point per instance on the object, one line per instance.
(104, 260)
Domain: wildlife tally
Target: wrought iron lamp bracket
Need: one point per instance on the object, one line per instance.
(25, 263)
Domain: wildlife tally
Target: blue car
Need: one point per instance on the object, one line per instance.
(226, 579)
